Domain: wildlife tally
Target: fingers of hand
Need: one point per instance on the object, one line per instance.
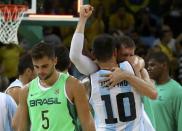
(103, 80)
(112, 84)
(113, 69)
(105, 75)
(107, 84)
(91, 8)
(88, 8)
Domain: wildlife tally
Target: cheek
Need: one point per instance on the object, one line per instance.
(34, 74)
(35, 70)
(156, 71)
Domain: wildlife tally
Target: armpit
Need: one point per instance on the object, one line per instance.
(87, 84)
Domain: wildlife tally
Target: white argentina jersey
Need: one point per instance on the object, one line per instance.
(116, 109)
(16, 83)
(7, 110)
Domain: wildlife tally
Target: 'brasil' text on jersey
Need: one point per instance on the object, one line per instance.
(40, 102)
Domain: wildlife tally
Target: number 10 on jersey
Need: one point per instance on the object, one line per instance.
(123, 116)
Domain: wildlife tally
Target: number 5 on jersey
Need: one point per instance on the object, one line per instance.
(45, 119)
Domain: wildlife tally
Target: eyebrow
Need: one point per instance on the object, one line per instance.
(41, 65)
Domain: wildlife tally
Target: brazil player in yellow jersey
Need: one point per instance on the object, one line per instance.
(45, 101)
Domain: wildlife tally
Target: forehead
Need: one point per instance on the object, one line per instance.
(42, 60)
(153, 61)
(126, 50)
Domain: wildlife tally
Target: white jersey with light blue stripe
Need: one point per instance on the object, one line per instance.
(7, 110)
(119, 108)
(16, 83)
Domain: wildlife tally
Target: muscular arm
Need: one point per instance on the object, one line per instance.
(15, 119)
(87, 85)
(148, 87)
(143, 83)
(144, 86)
(23, 120)
(84, 64)
(77, 93)
(14, 93)
(137, 63)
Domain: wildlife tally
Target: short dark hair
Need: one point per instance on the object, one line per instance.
(103, 47)
(63, 60)
(41, 50)
(125, 41)
(25, 62)
(159, 56)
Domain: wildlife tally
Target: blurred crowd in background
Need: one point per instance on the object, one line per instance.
(152, 24)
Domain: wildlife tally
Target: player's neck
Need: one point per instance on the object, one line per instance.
(49, 82)
(23, 79)
(163, 78)
(108, 64)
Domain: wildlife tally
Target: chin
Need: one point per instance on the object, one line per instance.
(41, 78)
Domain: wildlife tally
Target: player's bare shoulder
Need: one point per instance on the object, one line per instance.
(86, 82)
(24, 91)
(72, 82)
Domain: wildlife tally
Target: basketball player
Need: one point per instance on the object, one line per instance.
(63, 60)
(87, 66)
(46, 100)
(25, 75)
(7, 111)
(119, 108)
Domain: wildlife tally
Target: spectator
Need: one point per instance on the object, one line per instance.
(167, 108)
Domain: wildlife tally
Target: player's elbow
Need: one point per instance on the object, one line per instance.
(14, 125)
(89, 126)
(79, 64)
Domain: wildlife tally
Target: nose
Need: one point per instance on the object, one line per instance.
(149, 68)
(39, 70)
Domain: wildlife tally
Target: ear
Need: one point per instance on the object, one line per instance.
(55, 60)
(115, 53)
(165, 66)
(27, 71)
(93, 54)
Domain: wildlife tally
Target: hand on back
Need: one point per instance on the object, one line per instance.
(117, 75)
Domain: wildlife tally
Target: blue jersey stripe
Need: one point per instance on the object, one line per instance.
(8, 109)
(126, 101)
(106, 91)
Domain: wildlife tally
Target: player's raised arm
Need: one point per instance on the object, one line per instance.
(84, 64)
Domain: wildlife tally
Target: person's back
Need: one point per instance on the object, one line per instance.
(116, 107)
(119, 108)
(7, 110)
